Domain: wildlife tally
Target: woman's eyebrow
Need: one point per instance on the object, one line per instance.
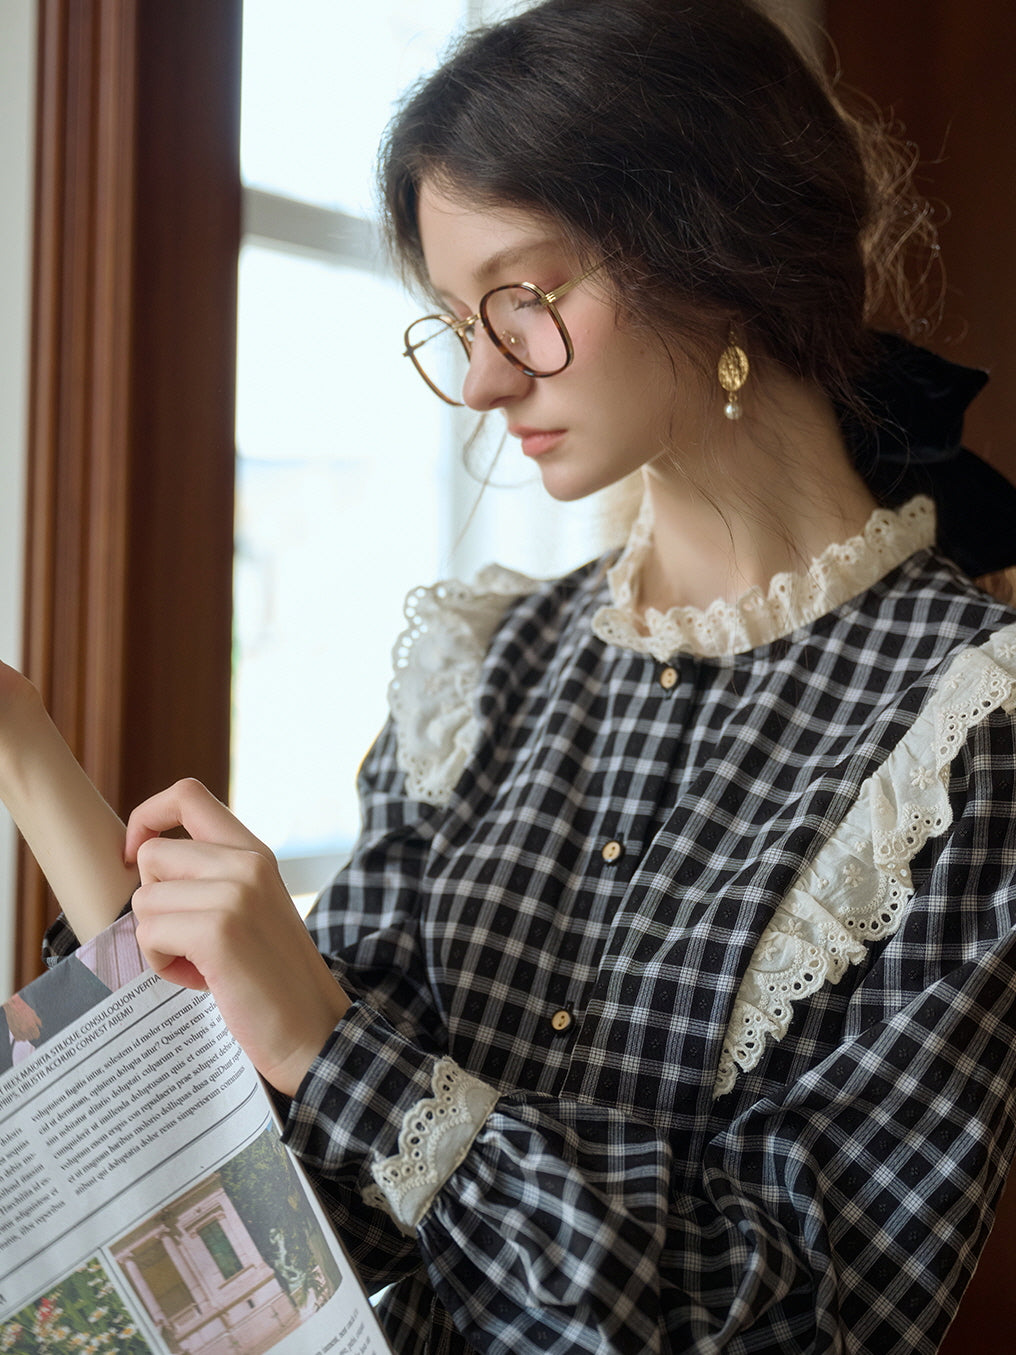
(512, 255)
(509, 257)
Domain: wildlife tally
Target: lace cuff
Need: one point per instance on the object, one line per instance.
(436, 1135)
(437, 663)
(859, 884)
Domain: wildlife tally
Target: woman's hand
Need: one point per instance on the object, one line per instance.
(22, 1020)
(212, 912)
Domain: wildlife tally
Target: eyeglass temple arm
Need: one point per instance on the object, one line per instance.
(563, 291)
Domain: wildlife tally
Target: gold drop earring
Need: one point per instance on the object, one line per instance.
(732, 370)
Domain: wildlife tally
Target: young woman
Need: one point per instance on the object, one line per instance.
(667, 1002)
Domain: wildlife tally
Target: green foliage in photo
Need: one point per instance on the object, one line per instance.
(82, 1315)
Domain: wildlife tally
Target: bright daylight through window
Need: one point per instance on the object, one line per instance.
(351, 483)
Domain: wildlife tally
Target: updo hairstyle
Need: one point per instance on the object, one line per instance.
(690, 145)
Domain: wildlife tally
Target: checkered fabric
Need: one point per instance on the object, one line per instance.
(836, 1198)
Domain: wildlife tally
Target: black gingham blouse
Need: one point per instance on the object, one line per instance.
(685, 981)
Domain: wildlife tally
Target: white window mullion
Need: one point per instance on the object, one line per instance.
(322, 233)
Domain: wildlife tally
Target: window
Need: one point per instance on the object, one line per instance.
(220, 1249)
(164, 1281)
(351, 486)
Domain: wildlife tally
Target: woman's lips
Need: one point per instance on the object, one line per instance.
(536, 441)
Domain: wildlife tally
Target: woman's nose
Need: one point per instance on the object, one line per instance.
(491, 380)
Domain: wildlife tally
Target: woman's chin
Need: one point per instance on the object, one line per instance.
(569, 488)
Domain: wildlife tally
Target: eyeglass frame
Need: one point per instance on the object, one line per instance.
(458, 328)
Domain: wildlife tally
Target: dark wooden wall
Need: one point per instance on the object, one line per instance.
(945, 69)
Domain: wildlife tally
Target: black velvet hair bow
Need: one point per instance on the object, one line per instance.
(911, 443)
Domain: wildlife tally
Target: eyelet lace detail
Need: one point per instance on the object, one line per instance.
(437, 658)
(859, 884)
(437, 662)
(436, 1135)
(756, 618)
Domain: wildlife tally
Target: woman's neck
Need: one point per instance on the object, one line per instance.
(756, 497)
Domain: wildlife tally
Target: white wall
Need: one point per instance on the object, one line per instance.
(17, 90)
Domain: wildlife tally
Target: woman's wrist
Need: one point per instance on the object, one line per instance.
(287, 1076)
(26, 733)
(73, 834)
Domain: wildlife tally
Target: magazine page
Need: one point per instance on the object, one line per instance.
(148, 1203)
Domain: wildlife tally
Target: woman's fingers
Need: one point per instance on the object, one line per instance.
(249, 947)
(189, 805)
(200, 901)
(212, 912)
(183, 926)
(167, 858)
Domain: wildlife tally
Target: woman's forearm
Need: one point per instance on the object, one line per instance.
(74, 835)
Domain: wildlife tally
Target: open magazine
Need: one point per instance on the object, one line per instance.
(148, 1204)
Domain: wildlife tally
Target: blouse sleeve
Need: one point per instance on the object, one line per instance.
(843, 1211)
(366, 924)
(865, 1189)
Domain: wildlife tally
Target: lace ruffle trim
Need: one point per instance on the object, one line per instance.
(437, 658)
(859, 884)
(756, 618)
(435, 1137)
(437, 662)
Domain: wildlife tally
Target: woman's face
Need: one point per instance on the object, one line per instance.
(607, 414)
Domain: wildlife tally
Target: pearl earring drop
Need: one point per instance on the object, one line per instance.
(732, 370)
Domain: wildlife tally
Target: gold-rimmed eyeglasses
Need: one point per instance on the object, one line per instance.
(520, 319)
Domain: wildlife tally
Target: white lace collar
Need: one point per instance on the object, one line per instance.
(756, 617)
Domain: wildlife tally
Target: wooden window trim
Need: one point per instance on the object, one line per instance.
(128, 591)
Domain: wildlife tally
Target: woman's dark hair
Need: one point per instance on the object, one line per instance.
(688, 143)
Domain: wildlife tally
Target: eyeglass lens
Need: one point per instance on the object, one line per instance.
(524, 327)
(439, 354)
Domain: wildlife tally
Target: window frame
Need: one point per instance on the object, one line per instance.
(129, 508)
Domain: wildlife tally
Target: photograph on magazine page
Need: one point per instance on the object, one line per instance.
(150, 1205)
(236, 1262)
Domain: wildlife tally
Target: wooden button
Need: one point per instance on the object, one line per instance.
(561, 1020)
(668, 678)
(612, 851)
